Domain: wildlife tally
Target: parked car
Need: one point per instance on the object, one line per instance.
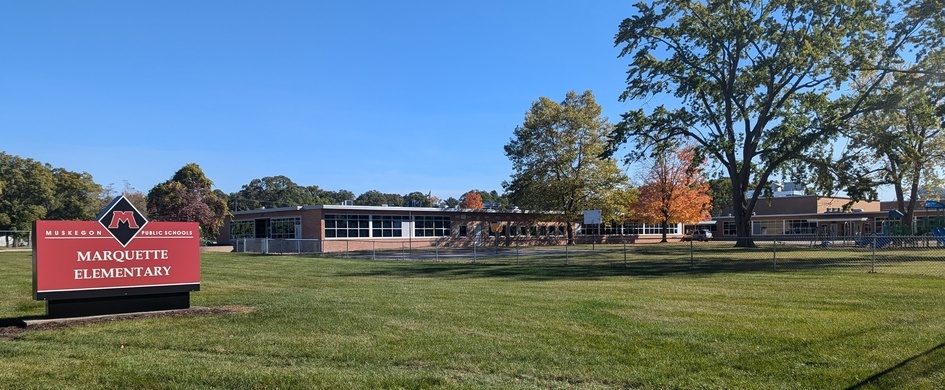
(701, 235)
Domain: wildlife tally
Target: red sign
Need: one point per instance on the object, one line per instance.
(90, 255)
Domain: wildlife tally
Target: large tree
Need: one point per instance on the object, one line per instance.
(720, 190)
(673, 191)
(272, 192)
(336, 197)
(76, 196)
(29, 190)
(556, 158)
(377, 198)
(904, 144)
(417, 199)
(188, 197)
(471, 200)
(757, 83)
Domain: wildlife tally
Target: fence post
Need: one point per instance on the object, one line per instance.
(516, 251)
(436, 245)
(625, 253)
(475, 255)
(873, 263)
(692, 257)
(403, 252)
(567, 255)
(774, 253)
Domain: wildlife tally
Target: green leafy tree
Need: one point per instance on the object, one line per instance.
(315, 195)
(721, 192)
(417, 199)
(29, 190)
(189, 200)
(371, 198)
(191, 176)
(555, 157)
(452, 202)
(337, 197)
(272, 192)
(395, 200)
(76, 196)
(758, 84)
(904, 144)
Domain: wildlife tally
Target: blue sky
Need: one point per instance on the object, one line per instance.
(359, 95)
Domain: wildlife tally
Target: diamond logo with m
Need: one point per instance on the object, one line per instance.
(122, 220)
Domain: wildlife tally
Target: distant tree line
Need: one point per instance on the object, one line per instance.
(31, 190)
(281, 191)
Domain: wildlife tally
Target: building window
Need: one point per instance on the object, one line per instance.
(345, 226)
(242, 229)
(462, 230)
(801, 226)
(882, 225)
(388, 225)
(728, 229)
(285, 228)
(431, 226)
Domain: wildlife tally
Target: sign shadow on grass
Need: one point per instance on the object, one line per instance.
(906, 372)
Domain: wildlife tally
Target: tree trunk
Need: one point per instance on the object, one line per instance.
(664, 224)
(909, 217)
(742, 221)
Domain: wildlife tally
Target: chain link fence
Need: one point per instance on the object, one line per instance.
(913, 255)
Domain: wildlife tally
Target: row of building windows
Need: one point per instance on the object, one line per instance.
(290, 227)
(242, 229)
(285, 228)
(817, 227)
(390, 226)
(342, 226)
(616, 229)
(519, 231)
(348, 226)
(432, 226)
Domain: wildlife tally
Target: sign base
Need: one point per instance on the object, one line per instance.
(84, 307)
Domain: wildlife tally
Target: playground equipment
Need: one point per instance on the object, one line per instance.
(939, 234)
(895, 226)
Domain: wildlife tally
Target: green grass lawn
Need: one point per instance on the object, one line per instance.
(343, 323)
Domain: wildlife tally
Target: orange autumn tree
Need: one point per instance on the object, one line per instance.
(471, 200)
(673, 191)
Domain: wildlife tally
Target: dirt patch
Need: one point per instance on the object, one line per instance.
(10, 329)
(217, 248)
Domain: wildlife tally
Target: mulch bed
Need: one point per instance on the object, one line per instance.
(12, 328)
